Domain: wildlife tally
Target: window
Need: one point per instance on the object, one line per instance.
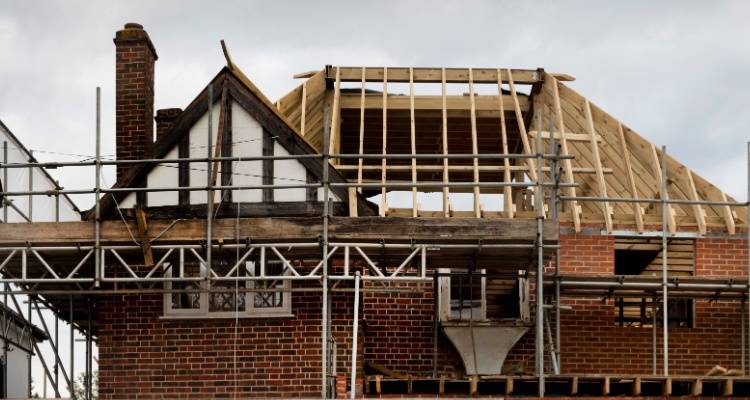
(481, 296)
(226, 298)
(642, 257)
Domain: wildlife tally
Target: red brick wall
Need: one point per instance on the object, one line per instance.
(134, 94)
(142, 356)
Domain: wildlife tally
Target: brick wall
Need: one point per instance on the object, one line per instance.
(134, 94)
(142, 356)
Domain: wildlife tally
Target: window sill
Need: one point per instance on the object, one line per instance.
(243, 315)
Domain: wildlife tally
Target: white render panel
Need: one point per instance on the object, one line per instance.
(198, 143)
(288, 172)
(128, 201)
(247, 139)
(18, 373)
(164, 175)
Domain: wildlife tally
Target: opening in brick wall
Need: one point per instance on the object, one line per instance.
(643, 257)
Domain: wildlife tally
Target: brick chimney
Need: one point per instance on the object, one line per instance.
(134, 94)
(165, 119)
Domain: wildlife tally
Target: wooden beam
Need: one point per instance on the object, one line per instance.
(282, 228)
(142, 224)
(637, 209)
(567, 163)
(303, 118)
(700, 215)
(571, 136)
(413, 137)
(383, 197)
(361, 129)
(522, 128)
(474, 145)
(446, 190)
(433, 75)
(601, 183)
(335, 139)
(352, 101)
(507, 191)
(656, 167)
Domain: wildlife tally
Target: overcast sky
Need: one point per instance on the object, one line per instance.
(676, 72)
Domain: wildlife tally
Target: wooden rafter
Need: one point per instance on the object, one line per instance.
(446, 190)
(656, 167)
(383, 197)
(567, 163)
(413, 137)
(474, 145)
(637, 209)
(601, 183)
(507, 191)
(303, 118)
(361, 130)
(522, 127)
(335, 139)
(700, 215)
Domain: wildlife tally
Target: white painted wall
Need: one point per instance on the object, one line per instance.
(247, 141)
(42, 207)
(18, 373)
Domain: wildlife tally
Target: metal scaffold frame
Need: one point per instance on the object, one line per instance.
(130, 280)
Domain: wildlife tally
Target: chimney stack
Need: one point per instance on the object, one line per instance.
(165, 119)
(135, 57)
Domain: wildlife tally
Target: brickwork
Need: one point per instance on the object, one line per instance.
(134, 94)
(143, 356)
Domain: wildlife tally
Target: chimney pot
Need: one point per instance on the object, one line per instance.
(165, 120)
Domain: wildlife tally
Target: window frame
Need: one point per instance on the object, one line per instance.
(203, 311)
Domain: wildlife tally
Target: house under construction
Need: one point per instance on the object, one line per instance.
(405, 231)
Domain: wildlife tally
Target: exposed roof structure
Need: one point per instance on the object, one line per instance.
(457, 110)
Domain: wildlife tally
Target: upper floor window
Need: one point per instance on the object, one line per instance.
(248, 296)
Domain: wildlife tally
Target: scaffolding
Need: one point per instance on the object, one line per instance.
(34, 266)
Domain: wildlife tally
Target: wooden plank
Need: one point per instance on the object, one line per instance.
(361, 129)
(508, 385)
(656, 167)
(335, 139)
(413, 133)
(433, 75)
(286, 228)
(227, 167)
(728, 217)
(522, 128)
(353, 202)
(574, 386)
(383, 197)
(446, 190)
(700, 215)
(636, 386)
(441, 384)
(142, 223)
(303, 119)
(378, 378)
(697, 389)
(571, 136)
(727, 387)
(601, 183)
(605, 386)
(474, 144)
(487, 104)
(473, 385)
(507, 191)
(637, 209)
(567, 163)
(666, 387)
